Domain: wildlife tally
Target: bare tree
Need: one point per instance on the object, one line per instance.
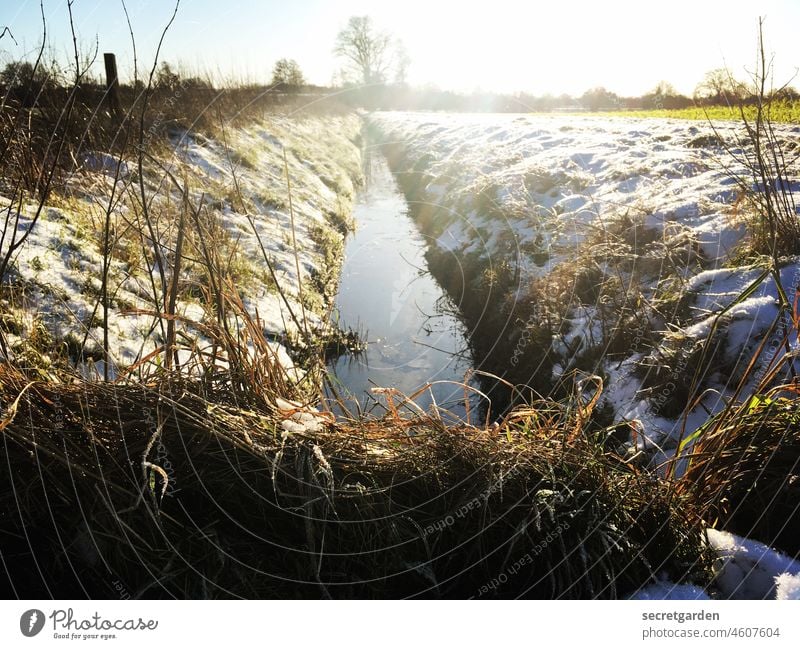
(167, 78)
(368, 53)
(600, 99)
(718, 86)
(664, 89)
(402, 63)
(287, 72)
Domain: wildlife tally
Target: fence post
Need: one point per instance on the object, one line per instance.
(112, 84)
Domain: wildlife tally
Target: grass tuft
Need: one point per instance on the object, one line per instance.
(175, 492)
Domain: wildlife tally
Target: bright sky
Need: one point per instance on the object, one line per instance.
(556, 46)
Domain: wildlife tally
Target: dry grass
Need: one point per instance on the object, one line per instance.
(174, 492)
(744, 472)
(145, 223)
(181, 479)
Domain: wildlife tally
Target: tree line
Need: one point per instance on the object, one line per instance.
(374, 64)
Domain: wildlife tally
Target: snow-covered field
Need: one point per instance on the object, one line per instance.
(650, 207)
(545, 195)
(238, 183)
(634, 236)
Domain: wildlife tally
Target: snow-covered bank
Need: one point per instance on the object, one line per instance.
(609, 245)
(743, 569)
(623, 248)
(238, 208)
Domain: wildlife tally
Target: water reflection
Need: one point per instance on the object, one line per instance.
(414, 335)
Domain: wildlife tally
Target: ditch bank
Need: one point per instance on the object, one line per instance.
(618, 248)
(605, 246)
(225, 229)
(386, 510)
(507, 336)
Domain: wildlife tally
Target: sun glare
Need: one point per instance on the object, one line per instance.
(547, 47)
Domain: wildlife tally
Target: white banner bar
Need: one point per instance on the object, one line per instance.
(404, 625)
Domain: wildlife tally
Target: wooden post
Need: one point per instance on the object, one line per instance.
(112, 84)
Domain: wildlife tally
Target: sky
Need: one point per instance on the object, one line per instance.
(499, 45)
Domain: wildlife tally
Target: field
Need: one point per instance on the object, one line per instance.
(784, 112)
(167, 281)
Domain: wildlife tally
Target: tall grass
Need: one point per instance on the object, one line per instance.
(768, 182)
(742, 467)
(232, 505)
(203, 469)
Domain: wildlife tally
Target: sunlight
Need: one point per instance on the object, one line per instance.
(507, 46)
(572, 46)
(410, 300)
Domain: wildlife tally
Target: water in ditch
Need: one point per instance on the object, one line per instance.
(414, 337)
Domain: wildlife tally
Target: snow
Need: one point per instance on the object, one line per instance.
(105, 163)
(244, 193)
(787, 586)
(552, 181)
(747, 569)
(666, 590)
(743, 569)
(297, 418)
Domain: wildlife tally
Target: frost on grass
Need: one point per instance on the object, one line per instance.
(237, 185)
